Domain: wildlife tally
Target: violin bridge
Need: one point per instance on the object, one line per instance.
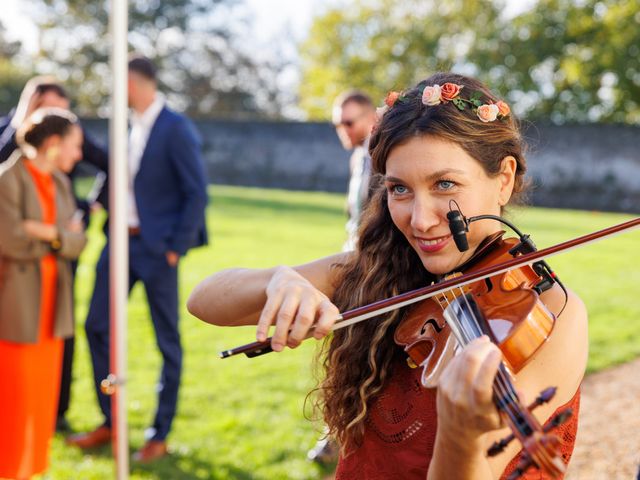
(446, 298)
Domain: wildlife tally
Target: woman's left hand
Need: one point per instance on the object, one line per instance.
(465, 393)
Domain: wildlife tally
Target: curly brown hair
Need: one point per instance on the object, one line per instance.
(358, 360)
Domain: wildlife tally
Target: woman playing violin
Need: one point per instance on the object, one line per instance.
(449, 138)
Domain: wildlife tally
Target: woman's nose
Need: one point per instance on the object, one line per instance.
(424, 215)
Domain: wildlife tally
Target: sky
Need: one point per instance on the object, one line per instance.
(271, 17)
(293, 15)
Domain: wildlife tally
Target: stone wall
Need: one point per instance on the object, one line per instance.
(593, 167)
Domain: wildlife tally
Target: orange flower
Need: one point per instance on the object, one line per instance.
(391, 98)
(450, 91)
(503, 108)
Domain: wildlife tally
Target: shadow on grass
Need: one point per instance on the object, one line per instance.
(175, 466)
(188, 467)
(271, 204)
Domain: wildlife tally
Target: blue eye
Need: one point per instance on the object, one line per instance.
(398, 189)
(445, 184)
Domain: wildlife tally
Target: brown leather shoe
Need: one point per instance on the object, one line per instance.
(100, 436)
(151, 451)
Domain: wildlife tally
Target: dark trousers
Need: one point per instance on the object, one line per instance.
(65, 379)
(161, 284)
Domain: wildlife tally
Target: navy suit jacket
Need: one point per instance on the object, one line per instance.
(170, 186)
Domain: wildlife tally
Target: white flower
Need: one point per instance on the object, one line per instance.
(431, 95)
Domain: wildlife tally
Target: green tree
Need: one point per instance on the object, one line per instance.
(572, 61)
(203, 66)
(562, 60)
(12, 77)
(384, 45)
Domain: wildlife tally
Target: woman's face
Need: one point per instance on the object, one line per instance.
(70, 149)
(423, 176)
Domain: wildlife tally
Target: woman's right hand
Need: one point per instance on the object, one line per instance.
(294, 305)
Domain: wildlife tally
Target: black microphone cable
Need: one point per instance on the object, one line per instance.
(459, 226)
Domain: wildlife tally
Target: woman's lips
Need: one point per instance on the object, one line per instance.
(432, 245)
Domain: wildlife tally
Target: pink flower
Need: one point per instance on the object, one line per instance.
(391, 98)
(503, 109)
(450, 91)
(431, 95)
(488, 113)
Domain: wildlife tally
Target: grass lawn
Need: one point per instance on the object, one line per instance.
(243, 419)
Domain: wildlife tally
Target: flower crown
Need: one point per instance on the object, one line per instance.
(450, 92)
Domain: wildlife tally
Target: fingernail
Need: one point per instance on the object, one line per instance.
(276, 346)
(260, 337)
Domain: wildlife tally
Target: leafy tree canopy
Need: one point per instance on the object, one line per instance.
(12, 77)
(564, 60)
(204, 67)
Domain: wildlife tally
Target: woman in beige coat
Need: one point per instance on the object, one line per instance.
(38, 239)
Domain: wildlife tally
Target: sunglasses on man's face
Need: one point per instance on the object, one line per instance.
(349, 123)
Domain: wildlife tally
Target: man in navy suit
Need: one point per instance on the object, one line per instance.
(167, 200)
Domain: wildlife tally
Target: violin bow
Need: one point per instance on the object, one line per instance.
(380, 307)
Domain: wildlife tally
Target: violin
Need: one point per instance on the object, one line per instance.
(516, 320)
(508, 309)
(495, 294)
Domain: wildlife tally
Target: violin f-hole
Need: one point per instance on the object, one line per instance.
(489, 284)
(433, 323)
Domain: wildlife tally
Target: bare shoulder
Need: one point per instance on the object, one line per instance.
(562, 359)
(564, 356)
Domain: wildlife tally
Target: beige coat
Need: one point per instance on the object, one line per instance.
(20, 256)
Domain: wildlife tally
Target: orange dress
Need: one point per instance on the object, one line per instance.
(30, 373)
(400, 434)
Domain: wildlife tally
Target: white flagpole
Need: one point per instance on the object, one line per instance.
(118, 234)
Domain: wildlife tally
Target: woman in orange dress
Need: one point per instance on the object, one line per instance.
(38, 240)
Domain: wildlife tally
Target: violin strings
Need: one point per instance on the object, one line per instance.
(502, 387)
(506, 387)
(466, 337)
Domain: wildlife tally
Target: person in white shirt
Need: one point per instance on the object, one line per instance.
(354, 115)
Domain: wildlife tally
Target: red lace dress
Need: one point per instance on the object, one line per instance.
(400, 434)
(30, 373)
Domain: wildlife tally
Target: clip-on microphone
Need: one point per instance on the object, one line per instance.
(459, 227)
